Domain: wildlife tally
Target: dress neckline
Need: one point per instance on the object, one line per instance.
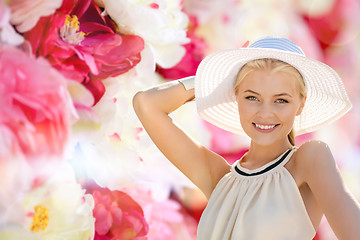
(263, 169)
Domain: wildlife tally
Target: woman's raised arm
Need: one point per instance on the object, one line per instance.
(152, 106)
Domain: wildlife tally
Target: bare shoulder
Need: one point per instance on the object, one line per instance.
(314, 152)
(314, 156)
(314, 146)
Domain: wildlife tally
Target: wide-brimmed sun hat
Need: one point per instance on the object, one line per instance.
(326, 100)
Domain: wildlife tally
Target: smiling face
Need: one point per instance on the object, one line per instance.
(268, 101)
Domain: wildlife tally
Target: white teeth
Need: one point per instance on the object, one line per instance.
(265, 126)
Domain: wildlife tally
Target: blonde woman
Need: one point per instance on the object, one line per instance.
(269, 91)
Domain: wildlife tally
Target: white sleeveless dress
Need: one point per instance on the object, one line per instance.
(259, 204)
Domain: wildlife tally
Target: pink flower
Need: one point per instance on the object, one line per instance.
(338, 25)
(117, 216)
(26, 13)
(167, 218)
(34, 113)
(83, 46)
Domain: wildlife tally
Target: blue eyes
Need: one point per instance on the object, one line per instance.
(280, 100)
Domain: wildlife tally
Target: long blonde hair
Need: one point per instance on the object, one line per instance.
(275, 66)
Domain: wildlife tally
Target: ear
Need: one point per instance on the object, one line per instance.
(301, 106)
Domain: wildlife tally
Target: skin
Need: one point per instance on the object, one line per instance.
(272, 99)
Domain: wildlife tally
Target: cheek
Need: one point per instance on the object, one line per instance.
(246, 111)
(288, 115)
(243, 111)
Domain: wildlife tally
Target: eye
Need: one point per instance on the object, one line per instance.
(281, 100)
(251, 98)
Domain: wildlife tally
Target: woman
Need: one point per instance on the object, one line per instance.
(269, 91)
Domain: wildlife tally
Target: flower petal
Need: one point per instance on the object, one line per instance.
(103, 220)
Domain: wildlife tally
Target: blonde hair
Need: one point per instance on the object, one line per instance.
(275, 66)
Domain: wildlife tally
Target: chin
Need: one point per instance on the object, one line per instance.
(268, 140)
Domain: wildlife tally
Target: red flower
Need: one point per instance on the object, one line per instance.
(118, 216)
(83, 45)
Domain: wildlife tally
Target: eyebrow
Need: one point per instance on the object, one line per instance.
(276, 95)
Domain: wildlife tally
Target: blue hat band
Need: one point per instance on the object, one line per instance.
(278, 44)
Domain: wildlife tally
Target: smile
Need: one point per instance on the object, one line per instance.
(265, 127)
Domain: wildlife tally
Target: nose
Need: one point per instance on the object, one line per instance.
(265, 111)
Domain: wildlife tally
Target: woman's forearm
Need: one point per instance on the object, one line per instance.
(166, 97)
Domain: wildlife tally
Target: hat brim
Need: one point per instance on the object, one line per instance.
(326, 100)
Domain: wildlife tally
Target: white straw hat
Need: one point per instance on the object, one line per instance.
(326, 100)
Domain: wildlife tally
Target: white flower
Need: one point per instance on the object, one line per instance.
(26, 13)
(7, 32)
(108, 161)
(161, 23)
(10, 232)
(16, 179)
(59, 209)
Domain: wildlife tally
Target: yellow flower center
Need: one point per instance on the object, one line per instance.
(40, 219)
(70, 31)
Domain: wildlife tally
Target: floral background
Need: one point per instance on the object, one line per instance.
(75, 163)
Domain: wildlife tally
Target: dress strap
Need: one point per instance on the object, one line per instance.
(287, 158)
(282, 160)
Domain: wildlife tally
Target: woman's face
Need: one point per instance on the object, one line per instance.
(268, 103)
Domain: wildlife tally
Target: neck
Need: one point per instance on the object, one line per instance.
(266, 153)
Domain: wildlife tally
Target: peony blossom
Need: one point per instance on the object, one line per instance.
(55, 209)
(7, 32)
(60, 208)
(83, 46)
(117, 216)
(35, 106)
(26, 13)
(166, 32)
